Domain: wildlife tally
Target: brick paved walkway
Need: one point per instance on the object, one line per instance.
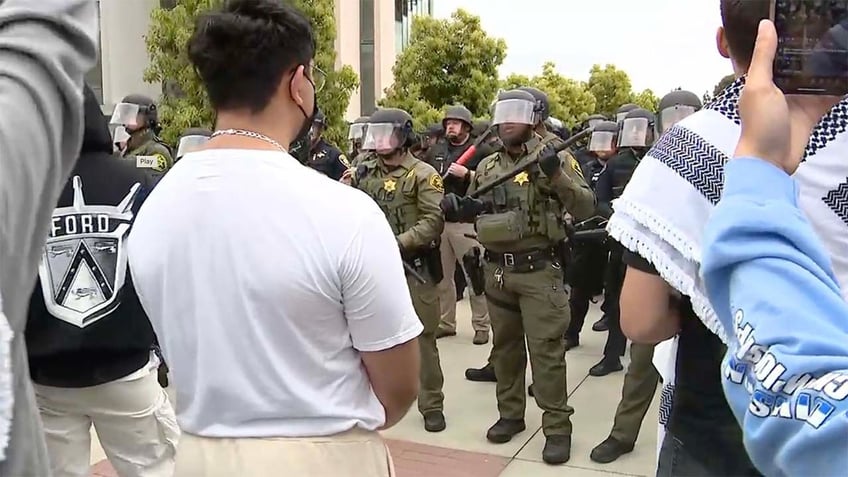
(411, 460)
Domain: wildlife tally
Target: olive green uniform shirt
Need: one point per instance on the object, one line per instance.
(149, 152)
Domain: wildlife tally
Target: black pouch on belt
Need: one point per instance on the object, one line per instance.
(473, 263)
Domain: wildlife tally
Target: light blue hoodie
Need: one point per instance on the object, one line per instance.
(770, 280)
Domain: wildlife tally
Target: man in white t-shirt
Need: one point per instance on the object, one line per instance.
(278, 295)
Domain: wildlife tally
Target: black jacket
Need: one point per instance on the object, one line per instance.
(91, 328)
(614, 178)
(442, 154)
(328, 160)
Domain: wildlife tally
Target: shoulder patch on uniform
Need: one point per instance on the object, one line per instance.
(157, 162)
(436, 182)
(344, 161)
(410, 174)
(576, 166)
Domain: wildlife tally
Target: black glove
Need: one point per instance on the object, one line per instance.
(461, 209)
(550, 163)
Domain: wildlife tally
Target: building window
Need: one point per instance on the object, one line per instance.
(367, 86)
(94, 78)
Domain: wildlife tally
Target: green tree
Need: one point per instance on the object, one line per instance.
(611, 88)
(570, 101)
(724, 83)
(646, 99)
(515, 81)
(184, 103)
(447, 61)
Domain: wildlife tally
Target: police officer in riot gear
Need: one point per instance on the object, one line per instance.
(520, 223)
(355, 133)
(586, 276)
(582, 153)
(191, 140)
(641, 379)
(323, 157)
(676, 106)
(622, 111)
(456, 242)
(139, 116)
(409, 192)
(635, 136)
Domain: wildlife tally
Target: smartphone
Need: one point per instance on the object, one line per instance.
(812, 48)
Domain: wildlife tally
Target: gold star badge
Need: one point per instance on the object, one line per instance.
(521, 178)
(390, 185)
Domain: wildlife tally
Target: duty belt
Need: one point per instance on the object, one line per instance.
(528, 260)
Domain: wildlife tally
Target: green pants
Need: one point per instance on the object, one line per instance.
(425, 299)
(534, 305)
(640, 385)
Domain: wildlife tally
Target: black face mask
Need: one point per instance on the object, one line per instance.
(300, 146)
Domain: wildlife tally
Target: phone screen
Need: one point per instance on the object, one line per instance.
(812, 51)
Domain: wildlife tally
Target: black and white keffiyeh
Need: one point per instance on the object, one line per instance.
(662, 213)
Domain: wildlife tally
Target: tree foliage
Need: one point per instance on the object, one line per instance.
(447, 61)
(184, 103)
(611, 88)
(646, 99)
(724, 83)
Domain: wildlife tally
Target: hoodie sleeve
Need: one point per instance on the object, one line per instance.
(770, 280)
(46, 46)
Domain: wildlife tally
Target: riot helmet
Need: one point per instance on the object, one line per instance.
(542, 104)
(603, 140)
(319, 122)
(357, 128)
(621, 112)
(459, 114)
(676, 106)
(389, 130)
(192, 140)
(136, 112)
(516, 113)
(480, 127)
(636, 129)
(593, 120)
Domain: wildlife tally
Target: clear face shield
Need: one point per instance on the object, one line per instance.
(619, 117)
(382, 137)
(634, 133)
(355, 132)
(515, 111)
(671, 116)
(190, 144)
(594, 122)
(602, 141)
(125, 114)
(120, 136)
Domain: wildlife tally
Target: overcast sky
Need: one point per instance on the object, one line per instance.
(661, 44)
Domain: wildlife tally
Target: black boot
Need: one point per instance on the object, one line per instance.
(530, 391)
(504, 430)
(434, 421)
(486, 374)
(557, 450)
(606, 366)
(602, 324)
(609, 450)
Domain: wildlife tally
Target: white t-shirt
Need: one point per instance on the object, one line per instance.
(262, 279)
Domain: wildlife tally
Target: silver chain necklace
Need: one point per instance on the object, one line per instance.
(250, 134)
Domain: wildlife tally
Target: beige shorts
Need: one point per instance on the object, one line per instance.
(355, 453)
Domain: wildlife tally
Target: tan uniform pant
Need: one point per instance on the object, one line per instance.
(133, 419)
(640, 385)
(454, 245)
(425, 300)
(355, 453)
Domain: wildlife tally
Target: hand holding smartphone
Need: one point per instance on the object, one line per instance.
(812, 50)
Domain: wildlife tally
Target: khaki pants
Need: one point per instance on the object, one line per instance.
(355, 453)
(133, 419)
(640, 385)
(454, 245)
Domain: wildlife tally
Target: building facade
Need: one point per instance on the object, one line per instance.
(369, 36)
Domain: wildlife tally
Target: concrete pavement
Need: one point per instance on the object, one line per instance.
(470, 408)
